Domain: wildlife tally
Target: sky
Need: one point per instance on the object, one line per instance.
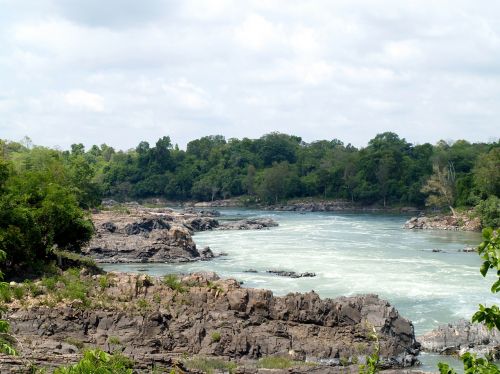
(122, 71)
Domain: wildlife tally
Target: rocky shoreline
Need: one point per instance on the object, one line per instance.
(160, 321)
(461, 337)
(461, 222)
(158, 235)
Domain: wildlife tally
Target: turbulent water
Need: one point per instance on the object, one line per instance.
(350, 254)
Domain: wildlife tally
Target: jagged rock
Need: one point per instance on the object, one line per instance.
(201, 223)
(291, 274)
(250, 323)
(109, 226)
(207, 253)
(146, 225)
(460, 337)
(141, 237)
(248, 224)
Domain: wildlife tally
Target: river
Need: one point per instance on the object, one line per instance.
(351, 253)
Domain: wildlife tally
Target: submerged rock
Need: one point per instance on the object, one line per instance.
(291, 274)
(460, 337)
(248, 224)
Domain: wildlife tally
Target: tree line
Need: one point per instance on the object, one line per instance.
(388, 171)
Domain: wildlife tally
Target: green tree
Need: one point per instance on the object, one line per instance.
(440, 187)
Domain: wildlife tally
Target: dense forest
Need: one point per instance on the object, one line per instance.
(388, 171)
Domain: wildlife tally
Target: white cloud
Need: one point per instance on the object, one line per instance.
(258, 33)
(319, 69)
(85, 100)
(187, 94)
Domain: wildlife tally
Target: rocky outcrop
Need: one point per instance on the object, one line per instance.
(248, 224)
(460, 222)
(139, 234)
(151, 320)
(334, 206)
(142, 237)
(461, 337)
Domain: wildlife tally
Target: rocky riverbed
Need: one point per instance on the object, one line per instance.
(162, 321)
(160, 235)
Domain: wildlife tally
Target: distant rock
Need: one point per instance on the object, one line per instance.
(462, 222)
(143, 236)
(460, 337)
(202, 212)
(248, 224)
(468, 250)
(291, 274)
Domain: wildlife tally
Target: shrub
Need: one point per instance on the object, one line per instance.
(489, 212)
(173, 282)
(216, 337)
(209, 365)
(97, 361)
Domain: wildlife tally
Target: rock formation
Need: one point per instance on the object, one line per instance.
(152, 320)
(461, 337)
(142, 237)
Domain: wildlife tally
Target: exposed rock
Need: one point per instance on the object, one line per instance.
(468, 250)
(202, 212)
(460, 222)
(142, 237)
(250, 323)
(316, 206)
(227, 203)
(201, 223)
(250, 271)
(461, 337)
(248, 224)
(291, 274)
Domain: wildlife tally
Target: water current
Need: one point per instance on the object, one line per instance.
(422, 273)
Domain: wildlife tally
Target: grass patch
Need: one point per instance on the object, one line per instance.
(70, 286)
(216, 337)
(209, 365)
(173, 282)
(276, 362)
(77, 343)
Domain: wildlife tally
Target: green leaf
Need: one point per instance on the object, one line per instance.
(484, 268)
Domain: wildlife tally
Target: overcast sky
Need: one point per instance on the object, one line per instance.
(122, 71)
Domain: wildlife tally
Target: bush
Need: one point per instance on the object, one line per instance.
(96, 361)
(216, 336)
(173, 282)
(489, 212)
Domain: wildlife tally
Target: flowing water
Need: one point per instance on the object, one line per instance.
(351, 253)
